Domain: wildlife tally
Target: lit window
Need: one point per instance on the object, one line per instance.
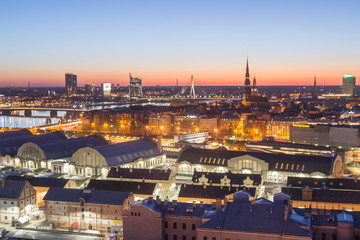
(214, 160)
(219, 161)
(292, 166)
(223, 161)
(282, 165)
(297, 167)
(276, 166)
(201, 159)
(209, 160)
(205, 159)
(287, 166)
(303, 167)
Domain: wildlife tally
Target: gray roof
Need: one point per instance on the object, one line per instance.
(260, 216)
(120, 153)
(22, 132)
(40, 181)
(178, 209)
(10, 146)
(11, 189)
(65, 148)
(277, 161)
(94, 197)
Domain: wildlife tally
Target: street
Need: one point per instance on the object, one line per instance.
(45, 235)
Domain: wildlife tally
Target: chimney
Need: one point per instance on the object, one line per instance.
(225, 203)
(174, 203)
(138, 186)
(184, 185)
(218, 204)
(286, 212)
(290, 207)
(158, 200)
(204, 186)
(159, 146)
(3, 182)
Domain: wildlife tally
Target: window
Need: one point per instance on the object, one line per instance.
(214, 238)
(166, 237)
(287, 166)
(132, 214)
(193, 238)
(276, 165)
(323, 236)
(139, 214)
(5, 217)
(184, 237)
(205, 238)
(303, 168)
(175, 225)
(184, 226)
(175, 237)
(5, 202)
(193, 227)
(166, 224)
(334, 237)
(282, 165)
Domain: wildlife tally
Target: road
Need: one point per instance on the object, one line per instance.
(29, 234)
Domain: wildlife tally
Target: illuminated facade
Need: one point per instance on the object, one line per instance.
(17, 199)
(86, 209)
(135, 87)
(275, 168)
(106, 90)
(349, 83)
(70, 84)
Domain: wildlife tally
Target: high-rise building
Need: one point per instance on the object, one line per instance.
(349, 85)
(70, 83)
(247, 89)
(135, 87)
(106, 90)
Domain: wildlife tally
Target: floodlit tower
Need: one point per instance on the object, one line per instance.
(349, 82)
(192, 89)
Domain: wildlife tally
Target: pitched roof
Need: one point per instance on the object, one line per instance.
(211, 192)
(125, 152)
(276, 161)
(124, 186)
(178, 209)
(22, 132)
(332, 183)
(10, 146)
(235, 178)
(260, 217)
(65, 148)
(10, 188)
(95, 196)
(137, 173)
(40, 181)
(325, 195)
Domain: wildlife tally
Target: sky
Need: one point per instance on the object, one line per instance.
(287, 42)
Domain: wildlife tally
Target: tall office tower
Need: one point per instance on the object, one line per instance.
(247, 89)
(106, 90)
(349, 85)
(70, 83)
(28, 85)
(135, 87)
(315, 93)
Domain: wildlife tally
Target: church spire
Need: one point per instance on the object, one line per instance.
(247, 89)
(315, 93)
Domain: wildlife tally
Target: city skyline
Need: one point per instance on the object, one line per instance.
(287, 42)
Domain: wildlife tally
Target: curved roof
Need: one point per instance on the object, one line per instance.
(276, 161)
(10, 146)
(22, 132)
(65, 148)
(120, 153)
